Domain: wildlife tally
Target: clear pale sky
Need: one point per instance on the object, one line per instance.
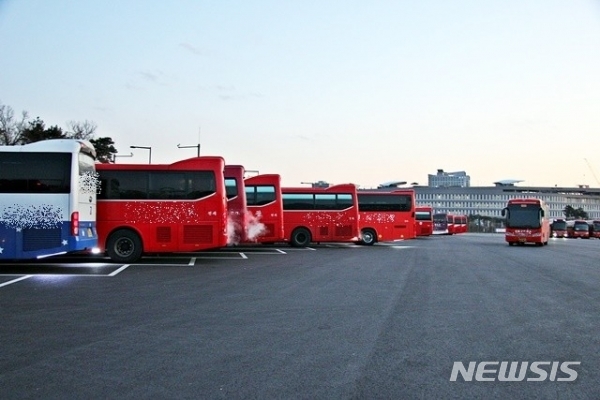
(341, 91)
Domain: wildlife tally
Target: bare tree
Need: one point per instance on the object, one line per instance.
(81, 130)
(11, 130)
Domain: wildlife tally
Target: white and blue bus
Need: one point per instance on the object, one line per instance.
(47, 199)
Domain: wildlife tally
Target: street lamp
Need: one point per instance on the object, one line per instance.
(147, 148)
(190, 147)
(114, 157)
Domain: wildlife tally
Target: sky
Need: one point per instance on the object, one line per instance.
(342, 91)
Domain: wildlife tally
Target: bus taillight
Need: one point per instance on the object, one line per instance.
(75, 223)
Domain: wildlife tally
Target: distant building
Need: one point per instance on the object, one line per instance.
(449, 179)
(490, 200)
(317, 184)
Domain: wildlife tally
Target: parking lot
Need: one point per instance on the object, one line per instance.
(329, 321)
(101, 266)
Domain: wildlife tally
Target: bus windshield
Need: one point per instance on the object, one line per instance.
(231, 188)
(440, 217)
(526, 216)
(422, 216)
(559, 225)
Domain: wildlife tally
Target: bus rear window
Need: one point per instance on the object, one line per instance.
(35, 172)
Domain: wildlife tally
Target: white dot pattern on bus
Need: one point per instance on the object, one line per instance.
(159, 212)
(89, 183)
(340, 218)
(379, 217)
(44, 216)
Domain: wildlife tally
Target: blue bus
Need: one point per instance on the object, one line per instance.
(47, 199)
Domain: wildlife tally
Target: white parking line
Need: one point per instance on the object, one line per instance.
(192, 262)
(244, 256)
(15, 280)
(119, 270)
(275, 252)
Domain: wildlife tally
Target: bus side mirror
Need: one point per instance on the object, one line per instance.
(504, 212)
(542, 214)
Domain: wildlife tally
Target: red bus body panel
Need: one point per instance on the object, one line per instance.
(462, 223)
(270, 215)
(390, 225)
(451, 224)
(324, 225)
(424, 227)
(236, 206)
(169, 225)
(595, 229)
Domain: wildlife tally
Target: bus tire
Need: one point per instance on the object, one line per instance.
(124, 246)
(511, 243)
(300, 237)
(368, 237)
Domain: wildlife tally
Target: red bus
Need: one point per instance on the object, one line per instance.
(386, 216)
(424, 220)
(319, 214)
(558, 228)
(265, 208)
(460, 223)
(161, 208)
(237, 216)
(526, 222)
(578, 228)
(594, 228)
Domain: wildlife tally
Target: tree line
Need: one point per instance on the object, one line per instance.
(575, 213)
(19, 130)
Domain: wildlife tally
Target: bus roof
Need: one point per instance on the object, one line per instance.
(189, 163)
(54, 145)
(348, 187)
(263, 178)
(384, 192)
(525, 201)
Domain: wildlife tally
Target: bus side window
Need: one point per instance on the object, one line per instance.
(115, 191)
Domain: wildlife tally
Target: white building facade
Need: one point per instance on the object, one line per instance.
(490, 200)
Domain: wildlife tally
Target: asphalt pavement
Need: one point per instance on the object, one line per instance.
(332, 321)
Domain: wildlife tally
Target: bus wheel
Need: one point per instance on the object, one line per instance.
(124, 246)
(300, 237)
(511, 243)
(367, 237)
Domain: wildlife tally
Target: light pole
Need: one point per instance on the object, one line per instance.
(114, 157)
(147, 148)
(190, 147)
